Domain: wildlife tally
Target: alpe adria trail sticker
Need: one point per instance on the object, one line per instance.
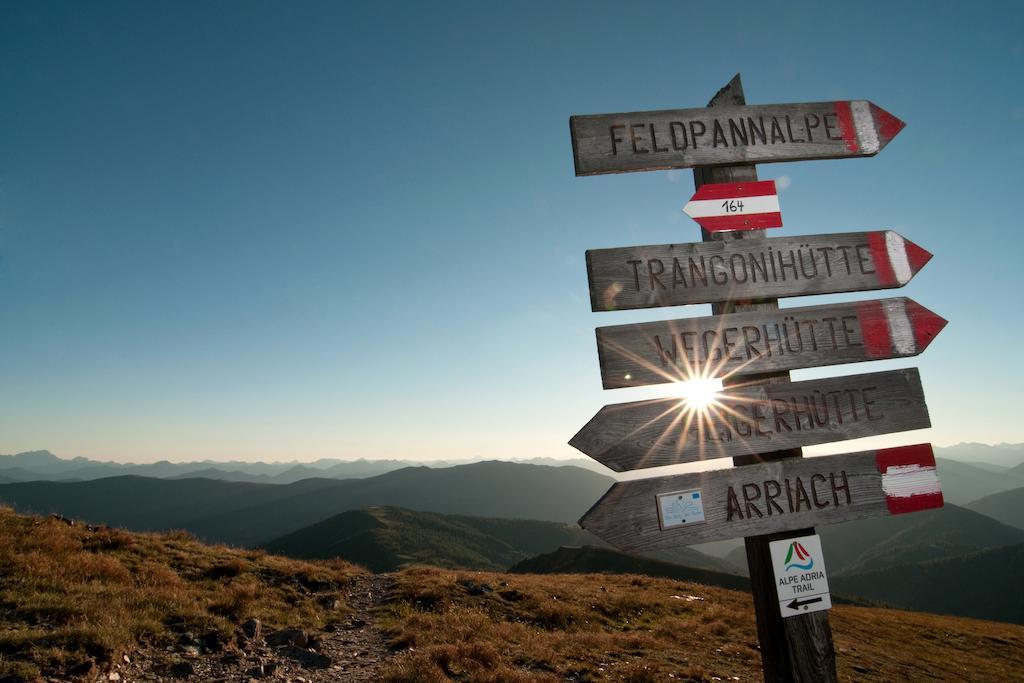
(800, 578)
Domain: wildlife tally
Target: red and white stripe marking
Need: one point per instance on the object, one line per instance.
(896, 259)
(909, 478)
(716, 207)
(897, 327)
(866, 127)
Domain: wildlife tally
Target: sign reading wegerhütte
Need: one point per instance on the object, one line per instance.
(793, 493)
(745, 270)
(763, 341)
(754, 419)
(683, 138)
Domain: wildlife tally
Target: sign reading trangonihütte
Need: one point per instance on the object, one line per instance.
(709, 272)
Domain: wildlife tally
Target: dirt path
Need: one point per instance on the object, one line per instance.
(357, 648)
(353, 650)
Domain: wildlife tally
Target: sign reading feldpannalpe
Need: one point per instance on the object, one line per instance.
(683, 138)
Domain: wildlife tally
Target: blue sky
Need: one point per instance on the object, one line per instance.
(318, 229)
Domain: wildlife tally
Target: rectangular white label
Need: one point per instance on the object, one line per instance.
(680, 508)
(800, 577)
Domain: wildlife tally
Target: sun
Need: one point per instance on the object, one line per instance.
(698, 394)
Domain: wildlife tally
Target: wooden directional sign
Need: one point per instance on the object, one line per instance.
(752, 205)
(754, 419)
(793, 493)
(763, 341)
(683, 138)
(710, 272)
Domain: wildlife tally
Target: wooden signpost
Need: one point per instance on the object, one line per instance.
(768, 341)
(754, 419)
(658, 513)
(710, 272)
(761, 419)
(684, 138)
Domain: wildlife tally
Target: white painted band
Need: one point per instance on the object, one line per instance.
(702, 208)
(898, 257)
(864, 124)
(903, 481)
(900, 330)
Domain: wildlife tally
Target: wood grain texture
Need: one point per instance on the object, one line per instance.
(732, 134)
(804, 492)
(763, 341)
(754, 419)
(750, 269)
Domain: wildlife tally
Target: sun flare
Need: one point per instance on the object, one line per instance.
(698, 394)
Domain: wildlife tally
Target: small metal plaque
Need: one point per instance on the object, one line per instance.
(680, 508)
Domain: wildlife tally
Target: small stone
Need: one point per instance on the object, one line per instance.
(307, 658)
(190, 651)
(253, 629)
(113, 676)
(295, 637)
(181, 670)
(126, 659)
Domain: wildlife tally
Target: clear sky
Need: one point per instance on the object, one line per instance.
(334, 229)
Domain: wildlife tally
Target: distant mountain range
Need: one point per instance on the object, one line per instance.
(969, 472)
(249, 514)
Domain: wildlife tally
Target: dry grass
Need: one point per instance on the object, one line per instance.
(630, 628)
(70, 594)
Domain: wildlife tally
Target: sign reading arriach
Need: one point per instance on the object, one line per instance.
(710, 272)
(754, 419)
(763, 341)
(683, 138)
(781, 495)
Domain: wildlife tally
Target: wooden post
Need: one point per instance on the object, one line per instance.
(796, 648)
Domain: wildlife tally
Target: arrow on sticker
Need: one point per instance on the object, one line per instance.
(797, 604)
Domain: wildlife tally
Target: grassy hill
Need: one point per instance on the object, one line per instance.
(249, 514)
(82, 602)
(75, 598)
(522, 627)
(985, 584)
(598, 560)
(1007, 507)
(386, 538)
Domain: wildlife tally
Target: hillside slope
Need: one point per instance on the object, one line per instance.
(77, 597)
(552, 628)
(985, 585)
(386, 538)
(1007, 507)
(597, 560)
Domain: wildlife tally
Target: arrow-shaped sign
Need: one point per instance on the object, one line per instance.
(754, 419)
(782, 495)
(735, 206)
(763, 341)
(797, 603)
(709, 272)
(682, 138)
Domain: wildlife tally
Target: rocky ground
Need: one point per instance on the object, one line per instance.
(350, 649)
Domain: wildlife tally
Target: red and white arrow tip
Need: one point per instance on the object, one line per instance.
(896, 258)
(897, 327)
(909, 478)
(866, 128)
(736, 206)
